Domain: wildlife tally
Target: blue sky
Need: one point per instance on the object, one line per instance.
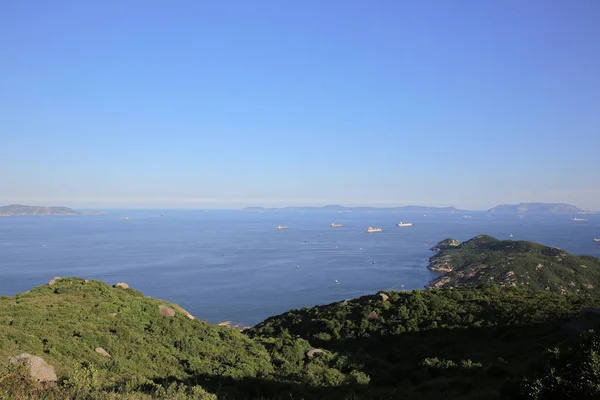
(234, 103)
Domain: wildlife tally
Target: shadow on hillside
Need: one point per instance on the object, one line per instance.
(259, 389)
(511, 349)
(398, 371)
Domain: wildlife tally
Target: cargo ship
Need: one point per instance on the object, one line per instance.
(333, 225)
(371, 229)
(404, 223)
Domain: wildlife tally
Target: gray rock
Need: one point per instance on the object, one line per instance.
(102, 352)
(187, 314)
(54, 280)
(166, 311)
(38, 369)
(311, 353)
(121, 285)
(372, 316)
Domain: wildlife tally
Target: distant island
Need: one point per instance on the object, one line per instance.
(19, 209)
(338, 208)
(538, 208)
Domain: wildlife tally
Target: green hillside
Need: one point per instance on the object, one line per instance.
(65, 323)
(461, 343)
(478, 333)
(486, 260)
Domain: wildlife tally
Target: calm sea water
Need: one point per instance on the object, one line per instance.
(235, 265)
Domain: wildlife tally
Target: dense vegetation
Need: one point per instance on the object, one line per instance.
(486, 260)
(503, 339)
(454, 343)
(65, 323)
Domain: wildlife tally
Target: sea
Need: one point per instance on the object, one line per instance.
(233, 265)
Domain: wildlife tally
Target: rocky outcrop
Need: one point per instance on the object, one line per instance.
(122, 285)
(166, 311)
(37, 367)
(102, 352)
(187, 314)
(313, 352)
(226, 324)
(373, 316)
(384, 297)
(445, 244)
(54, 280)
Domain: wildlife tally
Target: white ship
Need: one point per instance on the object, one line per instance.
(467, 216)
(126, 218)
(404, 223)
(334, 225)
(578, 219)
(280, 227)
(597, 240)
(371, 229)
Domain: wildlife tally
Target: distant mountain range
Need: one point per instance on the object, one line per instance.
(539, 208)
(18, 209)
(360, 209)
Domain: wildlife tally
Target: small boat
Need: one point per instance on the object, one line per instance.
(404, 223)
(511, 235)
(280, 227)
(371, 229)
(597, 240)
(162, 214)
(467, 216)
(578, 219)
(333, 225)
(126, 218)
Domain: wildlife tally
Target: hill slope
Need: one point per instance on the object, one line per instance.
(464, 343)
(487, 260)
(65, 322)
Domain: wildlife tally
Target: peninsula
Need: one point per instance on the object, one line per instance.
(485, 260)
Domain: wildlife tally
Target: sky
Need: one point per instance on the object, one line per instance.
(226, 104)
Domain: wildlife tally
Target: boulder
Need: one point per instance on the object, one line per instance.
(121, 285)
(311, 353)
(372, 316)
(54, 280)
(102, 352)
(38, 369)
(112, 314)
(166, 311)
(226, 324)
(384, 297)
(187, 314)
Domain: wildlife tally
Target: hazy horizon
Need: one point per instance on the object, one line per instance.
(208, 105)
(192, 207)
